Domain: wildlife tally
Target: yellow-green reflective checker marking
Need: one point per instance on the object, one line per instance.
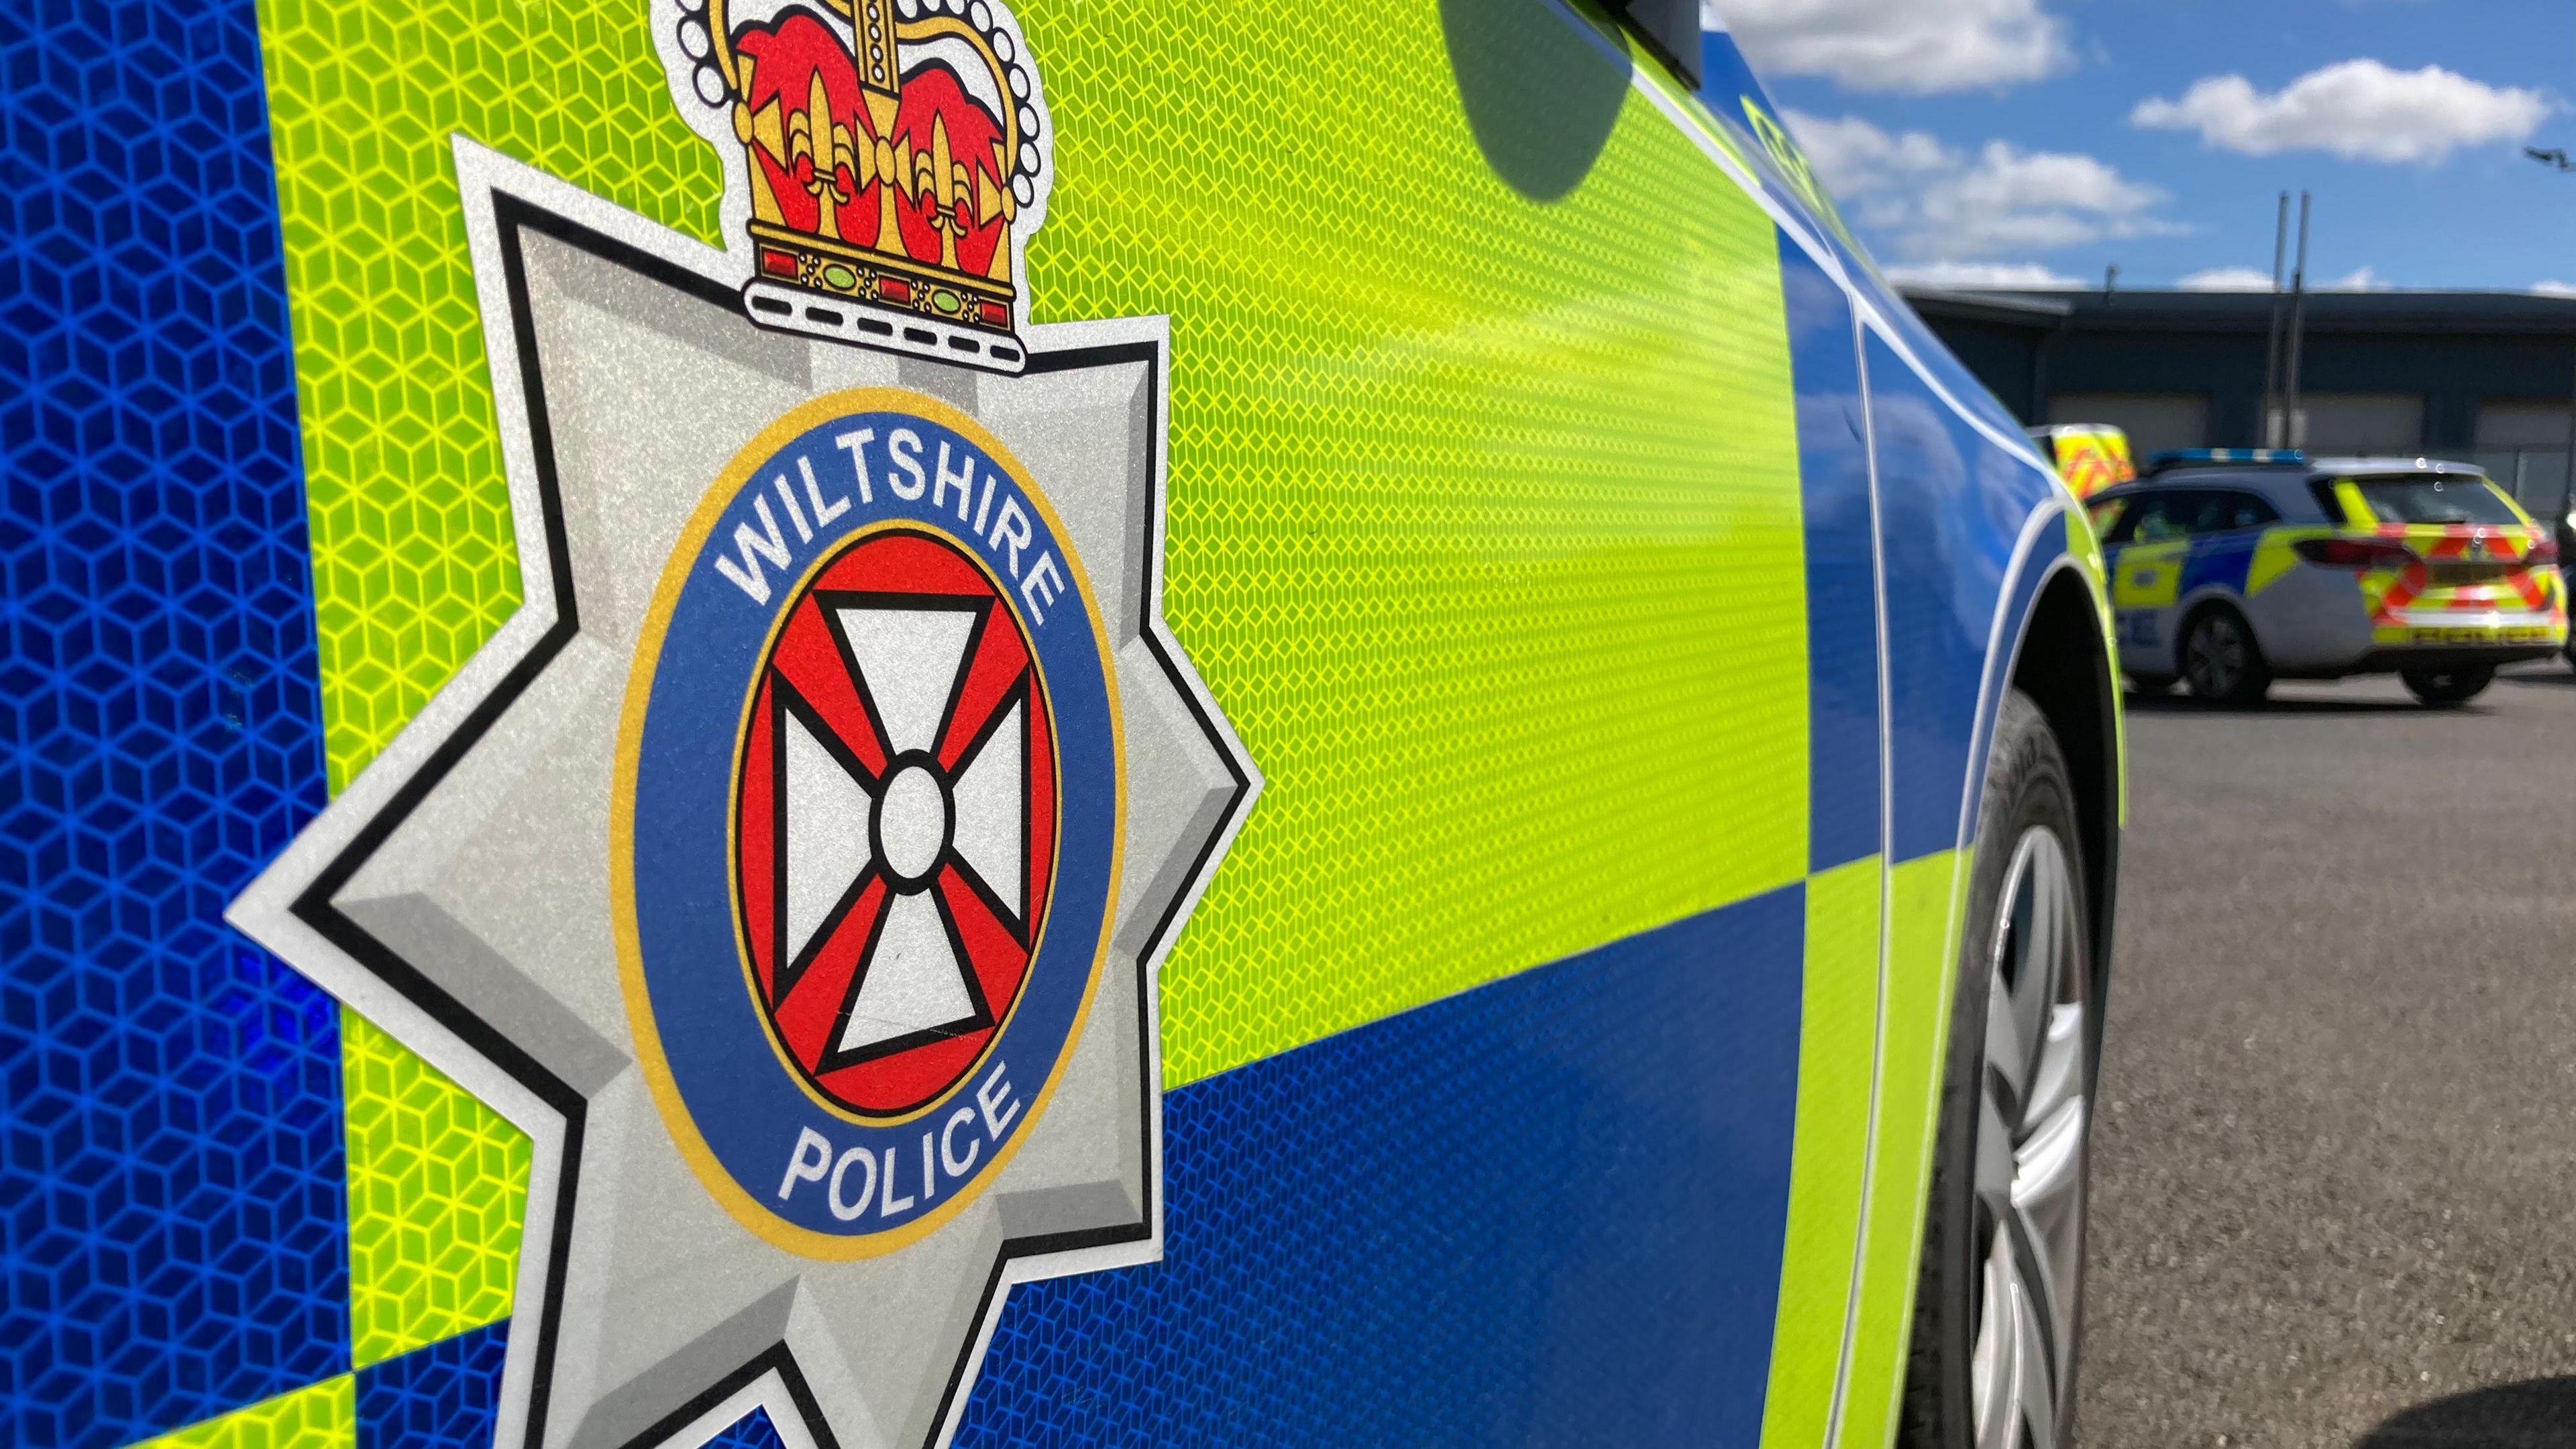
(318, 1416)
(438, 1192)
(1483, 519)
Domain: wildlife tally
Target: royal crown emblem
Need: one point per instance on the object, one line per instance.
(885, 162)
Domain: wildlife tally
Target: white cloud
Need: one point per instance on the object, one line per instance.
(1931, 200)
(2028, 275)
(1908, 46)
(2247, 279)
(1857, 159)
(2555, 289)
(2356, 109)
(2227, 279)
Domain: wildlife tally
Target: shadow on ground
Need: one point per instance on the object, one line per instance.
(2185, 704)
(2533, 1414)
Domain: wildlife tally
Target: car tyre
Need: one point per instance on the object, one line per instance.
(2221, 659)
(1998, 1297)
(2151, 684)
(2443, 688)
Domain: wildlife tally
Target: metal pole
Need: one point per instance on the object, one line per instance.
(2298, 328)
(2272, 330)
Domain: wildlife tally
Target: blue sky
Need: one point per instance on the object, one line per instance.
(2021, 140)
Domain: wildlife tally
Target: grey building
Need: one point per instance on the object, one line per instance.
(2488, 377)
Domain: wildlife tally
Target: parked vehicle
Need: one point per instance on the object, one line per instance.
(2565, 537)
(2231, 572)
(2089, 456)
(931, 721)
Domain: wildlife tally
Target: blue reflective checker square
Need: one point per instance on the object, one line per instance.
(171, 1197)
(1546, 1211)
(443, 1395)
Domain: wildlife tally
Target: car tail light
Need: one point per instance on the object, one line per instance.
(2543, 552)
(2355, 553)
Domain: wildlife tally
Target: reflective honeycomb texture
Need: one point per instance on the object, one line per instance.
(171, 1202)
(1546, 1211)
(1460, 545)
(413, 560)
(442, 1396)
(753, 1431)
(317, 1416)
(1484, 520)
(438, 1190)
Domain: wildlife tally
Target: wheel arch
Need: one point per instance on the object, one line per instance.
(2063, 661)
(2213, 596)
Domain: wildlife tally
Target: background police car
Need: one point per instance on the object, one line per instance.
(2232, 573)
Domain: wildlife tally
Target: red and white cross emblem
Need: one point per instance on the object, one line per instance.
(895, 822)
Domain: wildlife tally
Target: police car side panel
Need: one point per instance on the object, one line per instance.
(2310, 620)
(1840, 537)
(2011, 489)
(1846, 824)
(2219, 561)
(1644, 1310)
(1967, 546)
(1440, 533)
(2213, 568)
(2146, 584)
(1956, 505)
(1965, 542)
(161, 658)
(1483, 1050)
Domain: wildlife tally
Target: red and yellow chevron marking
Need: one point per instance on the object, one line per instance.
(2532, 590)
(2091, 461)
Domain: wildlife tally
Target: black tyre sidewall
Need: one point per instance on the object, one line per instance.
(2027, 784)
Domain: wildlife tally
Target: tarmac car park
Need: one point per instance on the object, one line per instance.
(2229, 571)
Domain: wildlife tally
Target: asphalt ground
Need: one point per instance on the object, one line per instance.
(2334, 1174)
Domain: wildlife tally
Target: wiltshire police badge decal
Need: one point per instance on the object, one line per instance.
(895, 767)
(794, 865)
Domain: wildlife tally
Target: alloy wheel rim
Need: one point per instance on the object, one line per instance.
(2217, 656)
(2032, 1117)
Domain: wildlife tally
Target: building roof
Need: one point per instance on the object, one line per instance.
(2403, 312)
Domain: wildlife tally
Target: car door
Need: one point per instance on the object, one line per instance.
(2222, 530)
(2145, 548)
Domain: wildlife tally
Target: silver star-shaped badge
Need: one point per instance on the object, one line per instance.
(458, 893)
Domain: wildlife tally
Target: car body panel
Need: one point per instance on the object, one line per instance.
(1616, 595)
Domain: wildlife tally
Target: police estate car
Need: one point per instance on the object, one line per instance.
(2233, 570)
(905, 722)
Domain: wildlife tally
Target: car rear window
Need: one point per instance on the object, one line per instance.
(2436, 498)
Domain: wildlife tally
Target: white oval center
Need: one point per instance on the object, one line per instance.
(912, 822)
